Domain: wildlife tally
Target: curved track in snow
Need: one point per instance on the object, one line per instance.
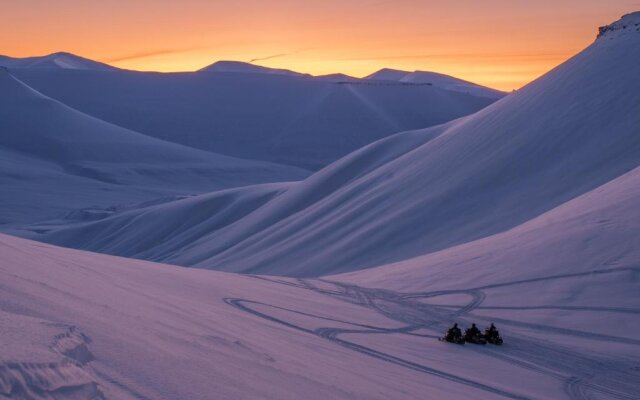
(583, 376)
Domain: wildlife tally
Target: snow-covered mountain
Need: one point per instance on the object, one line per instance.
(433, 78)
(301, 121)
(60, 60)
(569, 132)
(387, 74)
(56, 159)
(247, 68)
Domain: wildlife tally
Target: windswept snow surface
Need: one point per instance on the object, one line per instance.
(295, 120)
(55, 159)
(59, 60)
(567, 133)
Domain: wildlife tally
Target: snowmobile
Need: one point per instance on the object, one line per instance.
(491, 335)
(452, 339)
(475, 338)
(473, 335)
(453, 335)
(497, 340)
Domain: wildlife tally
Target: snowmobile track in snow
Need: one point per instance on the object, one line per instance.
(582, 375)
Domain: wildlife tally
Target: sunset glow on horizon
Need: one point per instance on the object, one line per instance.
(499, 43)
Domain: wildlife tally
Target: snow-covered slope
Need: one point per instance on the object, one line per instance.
(56, 159)
(572, 130)
(302, 121)
(450, 83)
(595, 231)
(438, 80)
(562, 289)
(247, 68)
(60, 60)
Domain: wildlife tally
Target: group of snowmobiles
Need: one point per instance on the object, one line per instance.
(473, 335)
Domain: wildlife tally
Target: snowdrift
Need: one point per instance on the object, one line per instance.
(288, 119)
(572, 130)
(55, 158)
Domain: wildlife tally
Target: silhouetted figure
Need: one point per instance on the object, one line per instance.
(472, 331)
(454, 334)
(473, 335)
(492, 335)
(491, 331)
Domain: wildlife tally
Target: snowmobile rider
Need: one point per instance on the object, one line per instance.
(491, 332)
(473, 331)
(453, 332)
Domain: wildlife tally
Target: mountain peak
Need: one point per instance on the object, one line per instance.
(247, 68)
(627, 25)
(60, 60)
(388, 74)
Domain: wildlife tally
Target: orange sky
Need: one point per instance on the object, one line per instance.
(499, 43)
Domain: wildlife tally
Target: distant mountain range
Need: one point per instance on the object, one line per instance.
(248, 111)
(56, 160)
(64, 60)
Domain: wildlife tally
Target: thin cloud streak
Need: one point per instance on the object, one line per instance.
(270, 57)
(145, 54)
(279, 55)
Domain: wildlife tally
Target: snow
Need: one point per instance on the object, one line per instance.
(628, 25)
(49, 151)
(247, 68)
(388, 74)
(564, 135)
(60, 60)
(561, 288)
(524, 214)
(450, 83)
(165, 332)
(301, 121)
(438, 80)
(593, 232)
